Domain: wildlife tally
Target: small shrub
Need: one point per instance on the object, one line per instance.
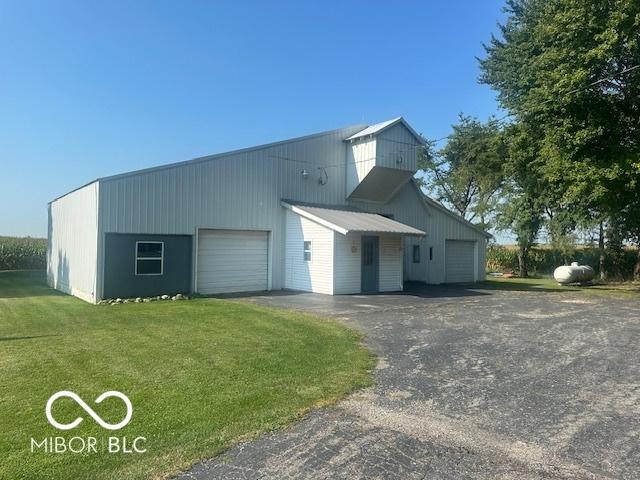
(23, 253)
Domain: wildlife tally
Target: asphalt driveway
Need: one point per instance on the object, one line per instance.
(470, 384)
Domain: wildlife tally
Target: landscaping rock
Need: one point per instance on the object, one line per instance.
(138, 300)
(179, 296)
(165, 297)
(146, 300)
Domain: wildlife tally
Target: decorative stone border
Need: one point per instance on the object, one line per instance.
(118, 301)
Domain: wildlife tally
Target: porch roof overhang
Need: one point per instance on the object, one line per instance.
(345, 220)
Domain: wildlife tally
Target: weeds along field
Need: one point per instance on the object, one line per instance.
(24, 253)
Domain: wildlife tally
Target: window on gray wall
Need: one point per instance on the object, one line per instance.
(416, 254)
(307, 251)
(149, 258)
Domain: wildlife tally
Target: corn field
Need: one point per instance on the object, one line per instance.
(22, 253)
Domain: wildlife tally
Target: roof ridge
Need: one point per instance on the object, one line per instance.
(380, 127)
(206, 158)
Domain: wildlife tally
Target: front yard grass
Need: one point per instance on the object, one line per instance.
(201, 375)
(549, 284)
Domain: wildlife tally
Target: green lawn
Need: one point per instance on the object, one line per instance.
(549, 284)
(201, 374)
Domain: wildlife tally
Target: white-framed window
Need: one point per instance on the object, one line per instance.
(306, 251)
(416, 254)
(149, 258)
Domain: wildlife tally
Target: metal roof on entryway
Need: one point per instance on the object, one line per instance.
(346, 220)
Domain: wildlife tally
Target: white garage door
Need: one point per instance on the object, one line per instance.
(232, 261)
(459, 257)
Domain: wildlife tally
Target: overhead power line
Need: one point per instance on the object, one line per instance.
(502, 119)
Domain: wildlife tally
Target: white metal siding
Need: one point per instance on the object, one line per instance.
(397, 148)
(243, 190)
(445, 227)
(316, 275)
(72, 253)
(407, 207)
(390, 271)
(459, 261)
(416, 271)
(361, 158)
(240, 190)
(347, 263)
(232, 261)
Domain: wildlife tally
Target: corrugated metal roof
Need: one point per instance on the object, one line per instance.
(376, 128)
(209, 158)
(350, 220)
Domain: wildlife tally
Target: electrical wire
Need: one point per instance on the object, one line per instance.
(499, 121)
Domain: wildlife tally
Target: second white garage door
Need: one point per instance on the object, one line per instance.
(232, 261)
(459, 258)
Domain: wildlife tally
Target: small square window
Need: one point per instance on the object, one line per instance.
(307, 251)
(149, 258)
(416, 254)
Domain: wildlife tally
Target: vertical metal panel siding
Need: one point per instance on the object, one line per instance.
(72, 256)
(361, 158)
(459, 261)
(239, 190)
(407, 207)
(397, 143)
(244, 189)
(445, 228)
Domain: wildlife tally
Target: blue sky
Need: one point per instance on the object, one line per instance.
(89, 89)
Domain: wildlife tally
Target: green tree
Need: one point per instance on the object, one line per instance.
(521, 209)
(466, 173)
(567, 69)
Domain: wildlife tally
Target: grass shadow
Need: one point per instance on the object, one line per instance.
(30, 337)
(25, 283)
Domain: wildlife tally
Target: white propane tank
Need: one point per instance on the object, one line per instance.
(573, 273)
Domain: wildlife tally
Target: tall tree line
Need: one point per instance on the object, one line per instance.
(568, 155)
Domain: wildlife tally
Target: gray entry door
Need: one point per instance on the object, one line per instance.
(370, 261)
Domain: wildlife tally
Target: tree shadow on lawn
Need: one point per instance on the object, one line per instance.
(31, 337)
(25, 283)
